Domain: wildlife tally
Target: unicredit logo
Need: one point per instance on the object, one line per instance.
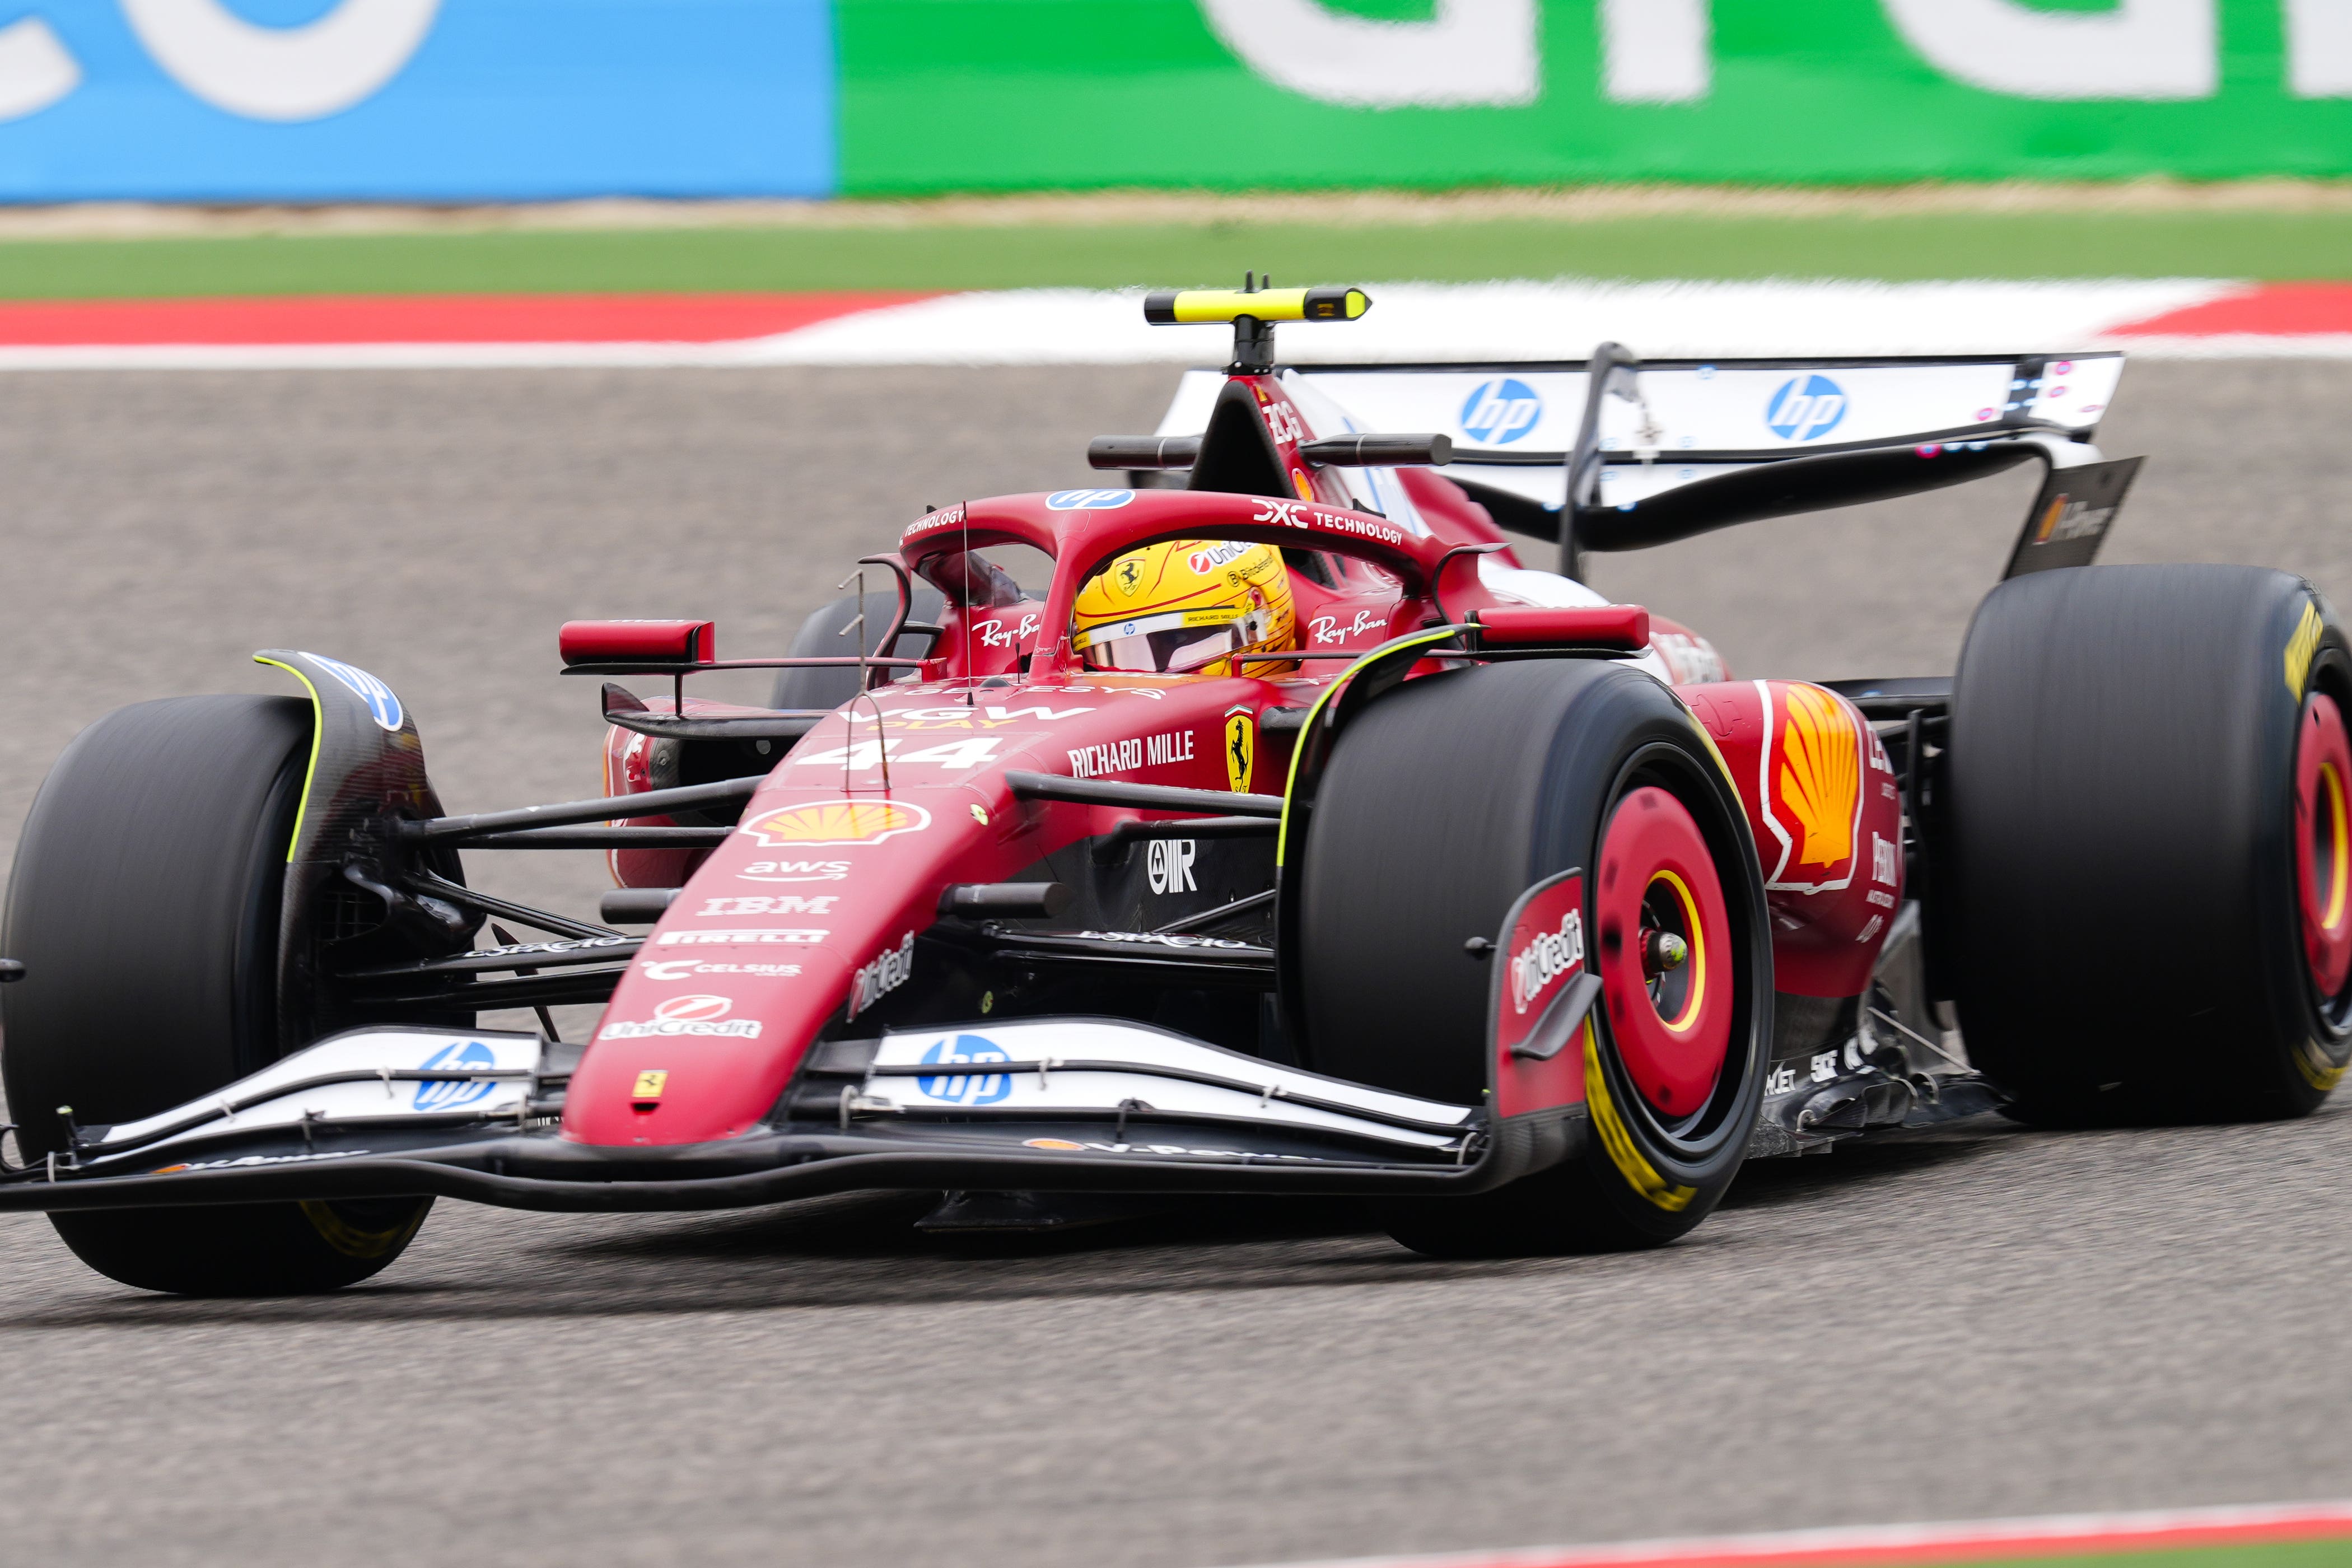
(699, 1014)
(1543, 959)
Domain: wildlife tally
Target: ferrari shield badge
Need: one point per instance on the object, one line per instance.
(1241, 749)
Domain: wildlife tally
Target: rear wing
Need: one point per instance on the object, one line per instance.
(1613, 453)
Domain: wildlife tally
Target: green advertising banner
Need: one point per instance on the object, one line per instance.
(1227, 94)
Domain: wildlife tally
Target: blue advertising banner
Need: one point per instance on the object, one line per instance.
(414, 100)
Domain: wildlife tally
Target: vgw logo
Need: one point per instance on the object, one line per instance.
(449, 1093)
(1806, 410)
(967, 1088)
(1500, 412)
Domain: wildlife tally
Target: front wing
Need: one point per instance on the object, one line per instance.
(1041, 1105)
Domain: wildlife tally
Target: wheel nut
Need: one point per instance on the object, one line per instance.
(1662, 950)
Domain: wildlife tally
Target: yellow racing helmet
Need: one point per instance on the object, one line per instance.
(1184, 605)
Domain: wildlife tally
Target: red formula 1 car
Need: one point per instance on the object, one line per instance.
(1287, 834)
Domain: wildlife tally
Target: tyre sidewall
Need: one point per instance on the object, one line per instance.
(1444, 801)
(146, 901)
(2116, 905)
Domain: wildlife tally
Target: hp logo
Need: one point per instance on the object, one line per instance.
(382, 705)
(1089, 501)
(449, 1093)
(1500, 412)
(967, 1088)
(1806, 410)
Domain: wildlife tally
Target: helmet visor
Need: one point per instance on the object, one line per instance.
(1166, 652)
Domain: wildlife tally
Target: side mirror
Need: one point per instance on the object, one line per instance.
(1623, 627)
(629, 642)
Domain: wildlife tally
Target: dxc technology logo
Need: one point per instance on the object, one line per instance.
(1806, 410)
(1500, 412)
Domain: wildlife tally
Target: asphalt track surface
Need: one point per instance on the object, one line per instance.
(1989, 1322)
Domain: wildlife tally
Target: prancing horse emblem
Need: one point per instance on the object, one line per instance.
(1241, 748)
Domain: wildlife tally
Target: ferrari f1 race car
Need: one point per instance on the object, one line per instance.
(1294, 836)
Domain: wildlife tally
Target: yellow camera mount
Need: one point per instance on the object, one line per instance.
(1253, 311)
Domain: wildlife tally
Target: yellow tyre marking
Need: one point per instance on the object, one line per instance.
(1639, 1173)
(2317, 1071)
(2301, 649)
(352, 1242)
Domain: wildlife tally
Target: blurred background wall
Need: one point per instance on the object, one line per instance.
(234, 101)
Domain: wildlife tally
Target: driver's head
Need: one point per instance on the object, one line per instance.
(1184, 603)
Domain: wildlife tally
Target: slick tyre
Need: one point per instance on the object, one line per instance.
(827, 634)
(1443, 801)
(144, 904)
(2140, 905)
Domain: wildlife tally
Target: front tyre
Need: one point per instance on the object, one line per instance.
(146, 904)
(1443, 803)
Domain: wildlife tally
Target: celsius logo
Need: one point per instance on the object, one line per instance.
(448, 1094)
(967, 1088)
(382, 705)
(1806, 410)
(1088, 501)
(1501, 412)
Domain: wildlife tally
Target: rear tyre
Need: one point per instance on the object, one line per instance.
(2142, 901)
(1443, 801)
(825, 635)
(144, 904)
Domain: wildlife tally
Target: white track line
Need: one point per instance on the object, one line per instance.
(1410, 321)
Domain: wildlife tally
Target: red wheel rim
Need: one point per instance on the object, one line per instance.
(1672, 1022)
(2323, 776)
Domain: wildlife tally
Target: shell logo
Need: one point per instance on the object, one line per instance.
(1821, 776)
(820, 824)
(693, 1009)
